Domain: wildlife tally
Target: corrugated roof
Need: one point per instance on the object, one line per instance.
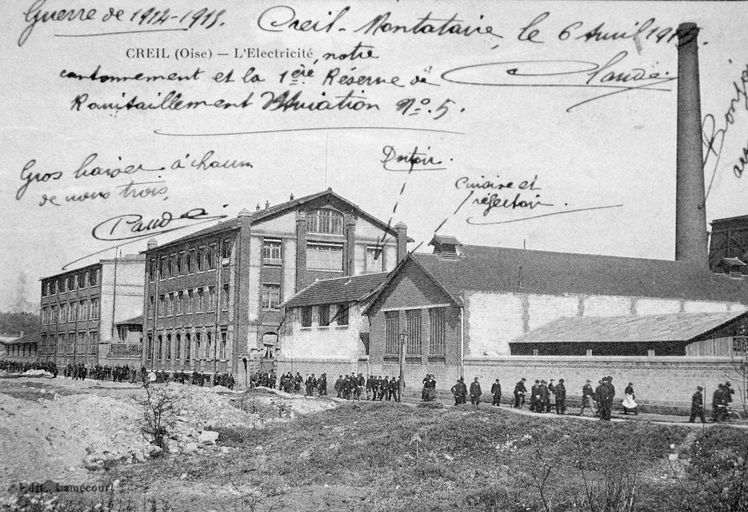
(337, 290)
(631, 328)
(499, 269)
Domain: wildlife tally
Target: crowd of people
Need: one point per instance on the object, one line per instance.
(24, 366)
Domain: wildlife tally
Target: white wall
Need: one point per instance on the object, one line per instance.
(330, 343)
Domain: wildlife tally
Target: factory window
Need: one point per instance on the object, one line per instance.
(212, 298)
(152, 269)
(209, 345)
(162, 267)
(270, 296)
(95, 277)
(168, 347)
(271, 252)
(225, 297)
(189, 304)
(324, 257)
(63, 284)
(172, 265)
(324, 221)
(191, 262)
(392, 332)
(180, 263)
(535, 352)
(413, 319)
(45, 289)
(63, 312)
(73, 311)
(93, 345)
(374, 259)
(180, 303)
(200, 300)
(324, 315)
(226, 251)
(437, 331)
(161, 305)
(94, 308)
(81, 281)
(224, 337)
(149, 346)
(170, 304)
(739, 346)
(188, 346)
(84, 310)
(306, 316)
(199, 255)
(160, 346)
(210, 257)
(178, 351)
(341, 316)
(198, 340)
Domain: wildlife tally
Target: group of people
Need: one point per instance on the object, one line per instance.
(118, 373)
(24, 366)
(721, 400)
(264, 379)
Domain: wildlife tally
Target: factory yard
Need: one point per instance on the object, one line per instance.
(262, 451)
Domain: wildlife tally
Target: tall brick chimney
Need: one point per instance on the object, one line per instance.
(690, 208)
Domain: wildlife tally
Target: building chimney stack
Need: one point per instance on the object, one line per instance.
(690, 208)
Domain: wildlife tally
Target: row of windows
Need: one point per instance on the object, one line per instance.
(326, 315)
(70, 343)
(414, 332)
(183, 347)
(71, 312)
(71, 282)
(22, 350)
(199, 300)
(324, 221)
(200, 259)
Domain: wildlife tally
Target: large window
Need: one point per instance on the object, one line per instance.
(271, 252)
(324, 221)
(324, 257)
(94, 308)
(306, 316)
(188, 346)
(225, 297)
(413, 317)
(392, 332)
(437, 329)
(341, 316)
(270, 296)
(374, 259)
(324, 315)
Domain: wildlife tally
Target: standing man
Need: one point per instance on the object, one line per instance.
(535, 396)
(475, 392)
(496, 392)
(560, 397)
(519, 394)
(697, 405)
(606, 395)
(459, 391)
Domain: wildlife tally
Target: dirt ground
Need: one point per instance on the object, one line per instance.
(265, 451)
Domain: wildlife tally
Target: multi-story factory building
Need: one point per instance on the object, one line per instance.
(212, 298)
(80, 310)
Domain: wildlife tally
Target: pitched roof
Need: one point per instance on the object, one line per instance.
(25, 340)
(259, 215)
(499, 269)
(628, 329)
(337, 290)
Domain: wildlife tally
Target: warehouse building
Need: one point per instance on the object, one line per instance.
(212, 300)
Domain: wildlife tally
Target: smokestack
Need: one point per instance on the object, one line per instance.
(690, 208)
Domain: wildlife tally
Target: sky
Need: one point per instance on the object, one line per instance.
(501, 104)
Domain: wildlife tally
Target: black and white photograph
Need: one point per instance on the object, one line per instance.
(396, 255)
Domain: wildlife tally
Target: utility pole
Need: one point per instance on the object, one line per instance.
(403, 341)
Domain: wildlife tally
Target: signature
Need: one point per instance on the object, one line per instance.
(713, 133)
(132, 226)
(611, 75)
(414, 160)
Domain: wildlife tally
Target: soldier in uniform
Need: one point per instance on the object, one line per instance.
(496, 392)
(535, 402)
(475, 392)
(519, 394)
(697, 405)
(459, 390)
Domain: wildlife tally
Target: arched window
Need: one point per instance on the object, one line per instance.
(324, 221)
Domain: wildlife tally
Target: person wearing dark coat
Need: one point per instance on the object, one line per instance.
(605, 394)
(697, 406)
(535, 396)
(560, 397)
(459, 391)
(475, 392)
(496, 392)
(519, 394)
(544, 400)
